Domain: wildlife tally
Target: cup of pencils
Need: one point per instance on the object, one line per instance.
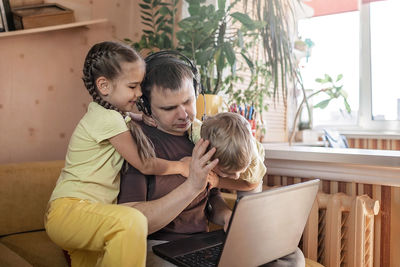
(248, 112)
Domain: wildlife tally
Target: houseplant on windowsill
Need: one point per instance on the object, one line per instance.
(333, 90)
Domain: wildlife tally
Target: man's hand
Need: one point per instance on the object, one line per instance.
(200, 165)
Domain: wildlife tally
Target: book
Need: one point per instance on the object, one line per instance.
(2, 29)
(8, 14)
(3, 16)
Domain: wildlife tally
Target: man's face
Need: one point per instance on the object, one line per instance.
(174, 111)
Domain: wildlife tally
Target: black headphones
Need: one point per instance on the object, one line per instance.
(143, 104)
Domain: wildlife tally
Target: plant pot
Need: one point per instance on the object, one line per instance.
(213, 105)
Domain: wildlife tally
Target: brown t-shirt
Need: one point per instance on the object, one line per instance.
(134, 187)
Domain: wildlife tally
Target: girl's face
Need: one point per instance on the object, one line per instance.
(123, 92)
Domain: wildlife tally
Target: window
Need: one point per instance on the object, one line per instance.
(385, 57)
(335, 51)
(363, 46)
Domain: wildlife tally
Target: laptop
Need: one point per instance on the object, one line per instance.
(263, 227)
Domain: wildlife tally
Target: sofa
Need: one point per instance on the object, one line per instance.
(25, 189)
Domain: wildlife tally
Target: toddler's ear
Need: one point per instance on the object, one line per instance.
(103, 85)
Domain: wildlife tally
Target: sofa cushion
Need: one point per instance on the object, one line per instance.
(36, 248)
(10, 259)
(25, 189)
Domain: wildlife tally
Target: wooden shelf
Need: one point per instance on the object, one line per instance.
(53, 28)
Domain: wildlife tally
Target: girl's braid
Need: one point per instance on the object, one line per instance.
(93, 61)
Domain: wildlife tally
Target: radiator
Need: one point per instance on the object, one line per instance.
(340, 230)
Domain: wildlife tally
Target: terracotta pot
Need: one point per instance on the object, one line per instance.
(213, 105)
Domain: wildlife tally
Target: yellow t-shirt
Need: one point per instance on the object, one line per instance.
(256, 170)
(92, 164)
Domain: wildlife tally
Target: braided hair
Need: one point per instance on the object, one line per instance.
(104, 59)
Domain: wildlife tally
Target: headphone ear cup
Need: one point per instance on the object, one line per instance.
(144, 105)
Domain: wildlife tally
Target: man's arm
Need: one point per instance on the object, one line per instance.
(162, 211)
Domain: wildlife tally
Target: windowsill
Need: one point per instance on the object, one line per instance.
(338, 164)
(356, 132)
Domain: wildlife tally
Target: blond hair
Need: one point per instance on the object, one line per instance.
(230, 134)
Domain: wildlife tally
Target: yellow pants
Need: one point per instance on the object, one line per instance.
(96, 234)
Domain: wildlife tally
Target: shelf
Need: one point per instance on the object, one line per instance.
(53, 28)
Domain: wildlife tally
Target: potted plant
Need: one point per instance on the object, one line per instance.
(333, 89)
(221, 42)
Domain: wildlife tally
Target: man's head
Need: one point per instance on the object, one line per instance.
(230, 134)
(170, 93)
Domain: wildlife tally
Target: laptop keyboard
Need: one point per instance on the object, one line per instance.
(205, 257)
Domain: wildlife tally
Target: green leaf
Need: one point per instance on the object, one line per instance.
(230, 54)
(346, 104)
(245, 20)
(328, 78)
(339, 77)
(160, 19)
(147, 24)
(146, 19)
(323, 104)
(147, 1)
(221, 4)
(220, 59)
(146, 13)
(144, 6)
(248, 61)
(164, 10)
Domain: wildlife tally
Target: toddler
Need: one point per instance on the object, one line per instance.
(241, 158)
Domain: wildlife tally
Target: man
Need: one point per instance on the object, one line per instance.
(173, 208)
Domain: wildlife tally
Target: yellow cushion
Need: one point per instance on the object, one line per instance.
(25, 189)
(36, 248)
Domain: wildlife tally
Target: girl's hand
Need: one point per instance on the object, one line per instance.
(200, 166)
(135, 116)
(213, 179)
(186, 165)
(148, 120)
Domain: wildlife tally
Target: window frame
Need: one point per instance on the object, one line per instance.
(365, 120)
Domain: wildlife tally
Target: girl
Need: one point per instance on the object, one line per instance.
(81, 218)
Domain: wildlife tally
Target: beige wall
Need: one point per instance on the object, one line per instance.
(42, 96)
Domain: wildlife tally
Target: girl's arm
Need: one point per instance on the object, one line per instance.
(127, 148)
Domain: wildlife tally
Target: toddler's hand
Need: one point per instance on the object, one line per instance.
(213, 179)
